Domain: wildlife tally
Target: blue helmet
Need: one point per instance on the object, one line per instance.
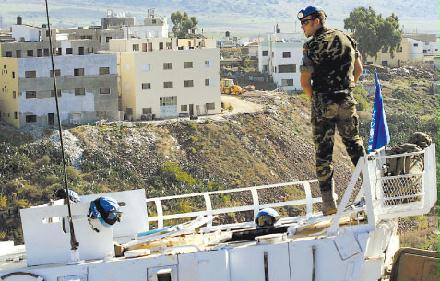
(309, 10)
(106, 210)
(266, 218)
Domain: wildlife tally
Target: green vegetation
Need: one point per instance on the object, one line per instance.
(182, 24)
(175, 172)
(360, 96)
(372, 32)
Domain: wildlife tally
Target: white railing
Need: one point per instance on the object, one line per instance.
(256, 206)
(392, 196)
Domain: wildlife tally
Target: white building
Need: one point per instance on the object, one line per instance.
(154, 26)
(164, 78)
(280, 56)
(431, 47)
(410, 51)
(23, 32)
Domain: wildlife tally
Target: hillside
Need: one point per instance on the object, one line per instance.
(181, 156)
(216, 15)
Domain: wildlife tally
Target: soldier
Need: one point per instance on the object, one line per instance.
(331, 67)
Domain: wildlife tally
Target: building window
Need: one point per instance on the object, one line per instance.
(13, 74)
(31, 118)
(18, 53)
(385, 63)
(52, 93)
(164, 101)
(188, 83)
(57, 72)
(188, 64)
(16, 115)
(184, 107)
(265, 53)
(59, 51)
(80, 50)
(107, 39)
(416, 44)
(169, 45)
(69, 51)
(286, 54)
(210, 106)
(14, 94)
(30, 53)
(146, 86)
(30, 74)
(206, 82)
(160, 45)
(135, 47)
(105, 91)
(78, 72)
(80, 92)
(265, 68)
(104, 70)
(8, 54)
(208, 63)
(146, 110)
(287, 68)
(31, 94)
(167, 84)
(39, 52)
(46, 52)
(286, 82)
(167, 66)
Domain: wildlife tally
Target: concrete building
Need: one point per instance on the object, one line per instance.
(153, 26)
(251, 50)
(164, 78)
(87, 89)
(410, 51)
(116, 20)
(280, 56)
(96, 34)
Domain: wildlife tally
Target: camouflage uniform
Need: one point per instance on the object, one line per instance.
(330, 57)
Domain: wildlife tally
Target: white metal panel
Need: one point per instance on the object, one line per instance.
(130, 270)
(247, 264)
(204, 266)
(320, 260)
(48, 243)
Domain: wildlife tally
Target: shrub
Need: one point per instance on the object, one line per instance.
(174, 171)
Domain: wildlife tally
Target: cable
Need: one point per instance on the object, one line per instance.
(73, 242)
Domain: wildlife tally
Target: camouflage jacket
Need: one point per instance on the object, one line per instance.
(330, 57)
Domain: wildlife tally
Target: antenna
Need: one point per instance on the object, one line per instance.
(73, 242)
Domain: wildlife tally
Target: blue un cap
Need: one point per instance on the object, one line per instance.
(309, 10)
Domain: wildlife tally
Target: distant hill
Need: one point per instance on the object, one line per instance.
(218, 15)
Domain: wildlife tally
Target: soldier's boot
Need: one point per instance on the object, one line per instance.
(329, 202)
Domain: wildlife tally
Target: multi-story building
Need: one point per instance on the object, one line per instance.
(87, 89)
(164, 78)
(280, 56)
(409, 51)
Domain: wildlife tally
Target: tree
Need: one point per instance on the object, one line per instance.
(372, 32)
(182, 24)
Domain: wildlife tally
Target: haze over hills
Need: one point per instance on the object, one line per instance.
(249, 16)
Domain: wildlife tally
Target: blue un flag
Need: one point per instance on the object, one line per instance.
(379, 135)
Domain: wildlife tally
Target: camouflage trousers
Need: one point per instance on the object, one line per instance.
(327, 115)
